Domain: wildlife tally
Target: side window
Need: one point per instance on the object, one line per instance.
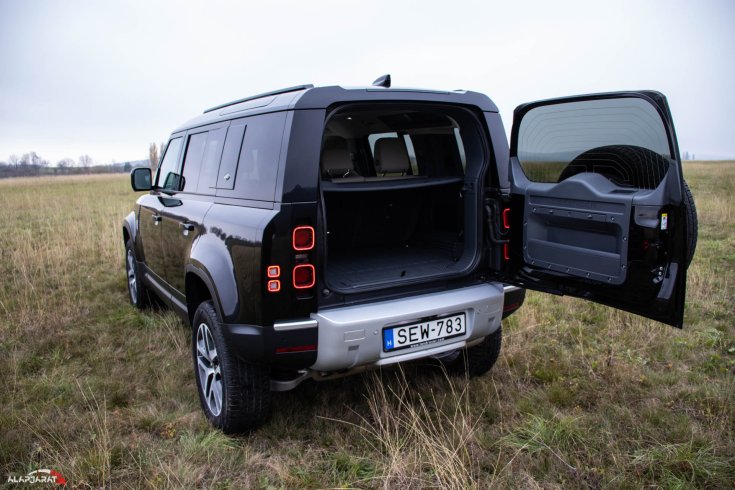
(193, 161)
(411, 154)
(168, 178)
(460, 147)
(257, 165)
(230, 155)
(623, 139)
(210, 161)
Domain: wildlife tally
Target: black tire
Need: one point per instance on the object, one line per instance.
(692, 223)
(137, 292)
(478, 359)
(244, 387)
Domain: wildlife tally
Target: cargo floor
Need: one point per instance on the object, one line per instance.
(367, 267)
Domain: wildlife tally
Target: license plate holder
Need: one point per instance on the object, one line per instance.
(424, 332)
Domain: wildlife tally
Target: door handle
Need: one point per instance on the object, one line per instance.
(156, 218)
(187, 226)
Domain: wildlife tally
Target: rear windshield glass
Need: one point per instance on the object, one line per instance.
(622, 138)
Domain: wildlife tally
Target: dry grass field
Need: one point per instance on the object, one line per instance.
(582, 397)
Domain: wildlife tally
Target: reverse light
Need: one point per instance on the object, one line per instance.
(274, 286)
(303, 238)
(304, 276)
(273, 271)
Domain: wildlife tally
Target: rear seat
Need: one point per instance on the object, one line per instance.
(391, 157)
(337, 163)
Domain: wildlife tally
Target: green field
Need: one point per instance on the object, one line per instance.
(583, 396)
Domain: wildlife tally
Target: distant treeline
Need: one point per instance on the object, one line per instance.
(32, 165)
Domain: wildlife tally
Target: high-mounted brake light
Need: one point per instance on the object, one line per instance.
(506, 218)
(303, 238)
(274, 271)
(304, 276)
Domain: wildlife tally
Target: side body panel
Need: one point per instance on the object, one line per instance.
(181, 224)
(149, 231)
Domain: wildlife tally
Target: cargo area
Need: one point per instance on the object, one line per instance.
(395, 198)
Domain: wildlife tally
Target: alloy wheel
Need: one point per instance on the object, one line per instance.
(209, 370)
(132, 280)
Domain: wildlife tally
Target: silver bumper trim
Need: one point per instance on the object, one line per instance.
(298, 325)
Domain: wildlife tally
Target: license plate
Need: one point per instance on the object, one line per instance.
(424, 333)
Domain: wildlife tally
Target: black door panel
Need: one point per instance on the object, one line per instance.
(149, 229)
(597, 200)
(183, 217)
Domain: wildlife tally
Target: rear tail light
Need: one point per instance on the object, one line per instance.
(506, 227)
(274, 286)
(274, 271)
(506, 218)
(303, 238)
(304, 276)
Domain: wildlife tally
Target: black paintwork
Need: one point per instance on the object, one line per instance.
(218, 243)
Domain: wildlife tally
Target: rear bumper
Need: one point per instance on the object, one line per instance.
(344, 338)
(514, 298)
(350, 337)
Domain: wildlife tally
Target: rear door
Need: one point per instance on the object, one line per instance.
(151, 207)
(597, 208)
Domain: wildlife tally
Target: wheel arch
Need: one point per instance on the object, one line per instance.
(129, 229)
(199, 287)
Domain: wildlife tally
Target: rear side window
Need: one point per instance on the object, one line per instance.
(228, 167)
(168, 176)
(193, 161)
(255, 170)
(210, 161)
(621, 138)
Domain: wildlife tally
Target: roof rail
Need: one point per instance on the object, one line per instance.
(266, 94)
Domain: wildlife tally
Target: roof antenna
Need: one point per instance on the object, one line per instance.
(383, 81)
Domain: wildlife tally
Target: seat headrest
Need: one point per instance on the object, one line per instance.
(391, 156)
(336, 158)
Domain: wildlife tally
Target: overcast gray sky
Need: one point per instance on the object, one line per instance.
(108, 77)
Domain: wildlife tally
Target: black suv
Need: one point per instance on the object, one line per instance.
(317, 232)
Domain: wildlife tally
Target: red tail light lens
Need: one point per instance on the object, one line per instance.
(303, 238)
(506, 251)
(304, 276)
(296, 348)
(506, 218)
